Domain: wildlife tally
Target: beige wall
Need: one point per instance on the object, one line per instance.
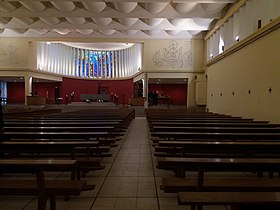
(13, 53)
(175, 59)
(256, 67)
(173, 55)
(172, 58)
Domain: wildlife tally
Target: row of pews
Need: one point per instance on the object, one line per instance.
(76, 142)
(189, 142)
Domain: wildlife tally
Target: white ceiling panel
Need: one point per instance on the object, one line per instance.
(110, 18)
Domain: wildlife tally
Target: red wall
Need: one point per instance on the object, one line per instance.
(44, 89)
(123, 88)
(177, 92)
(15, 92)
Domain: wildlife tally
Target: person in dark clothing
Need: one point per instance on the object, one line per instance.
(155, 98)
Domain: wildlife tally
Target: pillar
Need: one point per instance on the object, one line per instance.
(28, 87)
(145, 90)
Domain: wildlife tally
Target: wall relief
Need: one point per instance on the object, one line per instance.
(8, 53)
(175, 55)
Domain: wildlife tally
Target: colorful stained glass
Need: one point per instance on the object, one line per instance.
(99, 64)
(82, 63)
(115, 63)
(86, 63)
(111, 63)
(103, 73)
(91, 63)
(100, 75)
(95, 63)
(78, 62)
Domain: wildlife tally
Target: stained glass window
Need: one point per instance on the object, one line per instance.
(100, 65)
(78, 61)
(82, 63)
(86, 63)
(91, 64)
(95, 63)
(103, 73)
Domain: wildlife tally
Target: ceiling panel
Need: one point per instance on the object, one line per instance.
(109, 19)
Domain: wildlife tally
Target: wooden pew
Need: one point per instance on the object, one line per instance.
(42, 188)
(201, 165)
(82, 151)
(58, 129)
(20, 123)
(239, 200)
(215, 124)
(220, 184)
(219, 148)
(209, 120)
(216, 129)
(181, 165)
(232, 136)
(56, 135)
(124, 117)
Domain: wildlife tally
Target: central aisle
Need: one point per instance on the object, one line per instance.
(130, 182)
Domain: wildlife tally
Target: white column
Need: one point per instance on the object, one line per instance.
(27, 87)
(145, 90)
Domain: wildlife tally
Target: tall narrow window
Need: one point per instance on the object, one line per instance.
(221, 45)
(91, 63)
(86, 63)
(95, 64)
(259, 24)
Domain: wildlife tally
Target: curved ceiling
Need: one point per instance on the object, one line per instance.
(109, 19)
(99, 45)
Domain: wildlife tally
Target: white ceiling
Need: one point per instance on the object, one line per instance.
(139, 19)
(99, 45)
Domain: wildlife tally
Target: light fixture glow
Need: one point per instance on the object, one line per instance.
(237, 38)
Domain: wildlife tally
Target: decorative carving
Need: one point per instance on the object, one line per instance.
(175, 55)
(8, 53)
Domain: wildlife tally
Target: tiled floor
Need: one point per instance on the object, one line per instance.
(129, 182)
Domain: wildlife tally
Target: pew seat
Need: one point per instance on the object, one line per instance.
(52, 189)
(221, 184)
(239, 200)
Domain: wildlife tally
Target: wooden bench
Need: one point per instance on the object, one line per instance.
(181, 165)
(52, 189)
(214, 124)
(76, 150)
(233, 136)
(221, 184)
(19, 123)
(123, 116)
(239, 200)
(206, 148)
(40, 187)
(58, 129)
(202, 165)
(209, 120)
(54, 135)
(217, 129)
